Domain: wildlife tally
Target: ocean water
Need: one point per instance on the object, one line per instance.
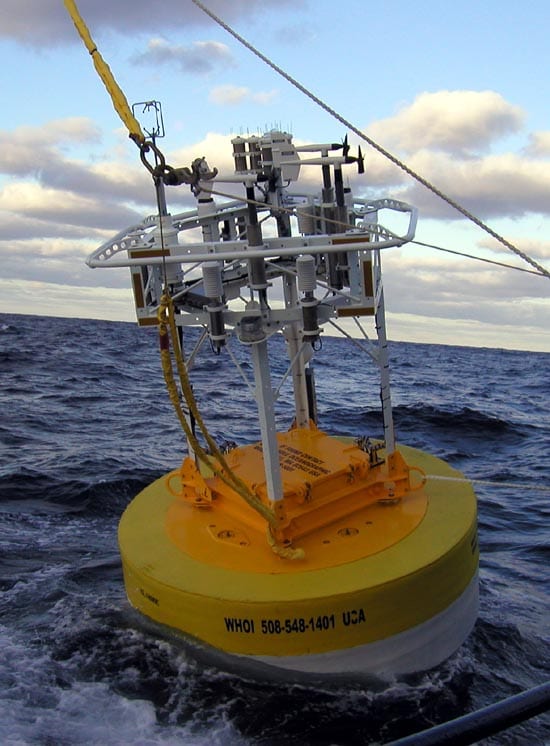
(85, 423)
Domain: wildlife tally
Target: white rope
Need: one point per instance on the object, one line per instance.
(539, 488)
(373, 144)
(479, 258)
(298, 213)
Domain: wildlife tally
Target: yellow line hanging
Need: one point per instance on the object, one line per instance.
(104, 71)
(167, 330)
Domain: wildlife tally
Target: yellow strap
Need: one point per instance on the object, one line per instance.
(117, 96)
(221, 468)
(284, 551)
(218, 464)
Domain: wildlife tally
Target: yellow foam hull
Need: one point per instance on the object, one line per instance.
(415, 595)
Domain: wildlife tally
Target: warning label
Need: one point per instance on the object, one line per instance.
(292, 459)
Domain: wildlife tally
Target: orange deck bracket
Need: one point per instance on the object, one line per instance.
(325, 480)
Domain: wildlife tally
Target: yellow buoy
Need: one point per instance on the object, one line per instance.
(388, 588)
(302, 551)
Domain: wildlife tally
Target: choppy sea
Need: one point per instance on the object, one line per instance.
(85, 423)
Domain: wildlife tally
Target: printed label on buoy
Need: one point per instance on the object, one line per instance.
(295, 625)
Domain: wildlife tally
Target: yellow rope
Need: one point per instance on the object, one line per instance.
(222, 470)
(117, 96)
(284, 551)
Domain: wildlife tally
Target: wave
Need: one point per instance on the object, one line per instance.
(424, 419)
(44, 494)
(89, 424)
(142, 662)
(461, 422)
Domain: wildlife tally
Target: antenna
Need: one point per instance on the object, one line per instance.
(153, 109)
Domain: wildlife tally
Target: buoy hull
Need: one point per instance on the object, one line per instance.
(402, 609)
(417, 649)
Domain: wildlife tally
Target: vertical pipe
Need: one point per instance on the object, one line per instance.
(256, 267)
(341, 227)
(262, 375)
(292, 336)
(383, 358)
(266, 412)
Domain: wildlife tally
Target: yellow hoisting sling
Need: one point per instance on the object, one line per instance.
(215, 460)
(168, 333)
(104, 71)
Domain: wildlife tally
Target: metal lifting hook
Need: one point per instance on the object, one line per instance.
(161, 168)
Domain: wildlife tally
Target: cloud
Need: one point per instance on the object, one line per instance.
(57, 299)
(36, 157)
(26, 149)
(62, 206)
(539, 144)
(457, 122)
(426, 285)
(504, 185)
(231, 95)
(41, 23)
(446, 138)
(538, 249)
(200, 57)
(56, 261)
(216, 148)
(432, 329)
(18, 226)
(228, 95)
(55, 208)
(295, 33)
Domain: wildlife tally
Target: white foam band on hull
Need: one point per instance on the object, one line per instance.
(416, 649)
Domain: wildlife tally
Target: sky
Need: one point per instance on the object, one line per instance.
(457, 91)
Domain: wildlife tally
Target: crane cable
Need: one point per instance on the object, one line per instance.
(373, 144)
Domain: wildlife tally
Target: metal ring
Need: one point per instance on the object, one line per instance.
(159, 158)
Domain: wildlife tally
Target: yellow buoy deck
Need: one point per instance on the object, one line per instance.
(335, 506)
(386, 568)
